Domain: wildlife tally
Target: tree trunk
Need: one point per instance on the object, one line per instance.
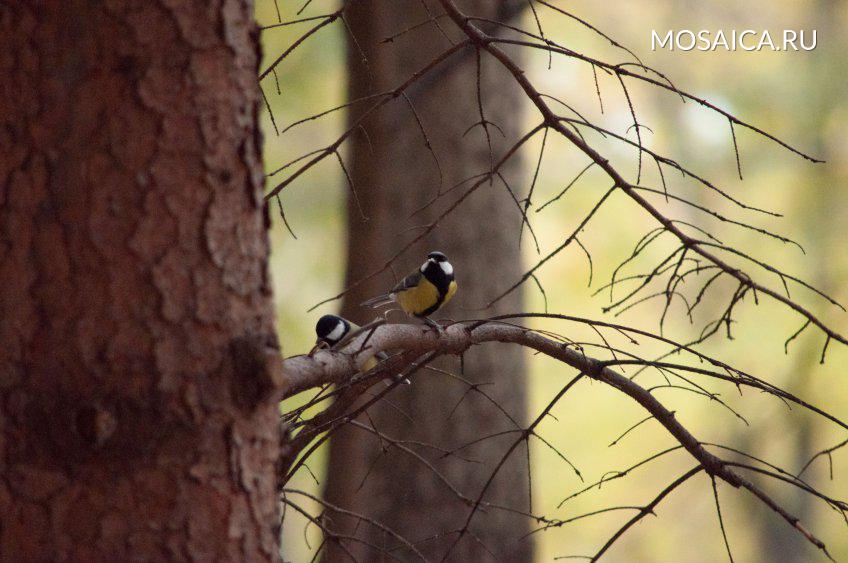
(395, 175)
(135, 300)
(817, 203)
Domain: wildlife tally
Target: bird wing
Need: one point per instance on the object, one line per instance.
(410, 281)
(406, 283)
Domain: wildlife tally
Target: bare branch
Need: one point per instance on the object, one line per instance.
(490, 45)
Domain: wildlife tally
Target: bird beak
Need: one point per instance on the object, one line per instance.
(315, 348)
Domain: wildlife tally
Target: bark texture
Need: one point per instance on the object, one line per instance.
(135, 300)
(395, 175)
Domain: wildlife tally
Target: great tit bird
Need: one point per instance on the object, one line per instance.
(424, 291)
(332, 329)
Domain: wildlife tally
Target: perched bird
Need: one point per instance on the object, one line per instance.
(332, 329)
(424, 291)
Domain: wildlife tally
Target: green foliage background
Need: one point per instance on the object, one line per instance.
(800, 97)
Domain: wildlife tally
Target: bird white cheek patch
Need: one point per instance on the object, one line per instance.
(337, 332)
(446, 268)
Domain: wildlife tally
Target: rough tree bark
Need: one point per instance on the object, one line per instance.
(395, 175)
(135, 298)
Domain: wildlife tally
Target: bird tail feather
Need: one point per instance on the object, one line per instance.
(382, 356)
(378, 301)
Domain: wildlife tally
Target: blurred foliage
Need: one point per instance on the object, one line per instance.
(800, 97)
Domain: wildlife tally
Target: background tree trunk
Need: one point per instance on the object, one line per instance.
(135, 301)
(822, 91)
(395, 175)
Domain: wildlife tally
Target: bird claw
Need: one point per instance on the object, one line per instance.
(434, 325)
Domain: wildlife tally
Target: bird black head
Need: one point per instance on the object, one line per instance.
(437, 269)
(331, 329)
